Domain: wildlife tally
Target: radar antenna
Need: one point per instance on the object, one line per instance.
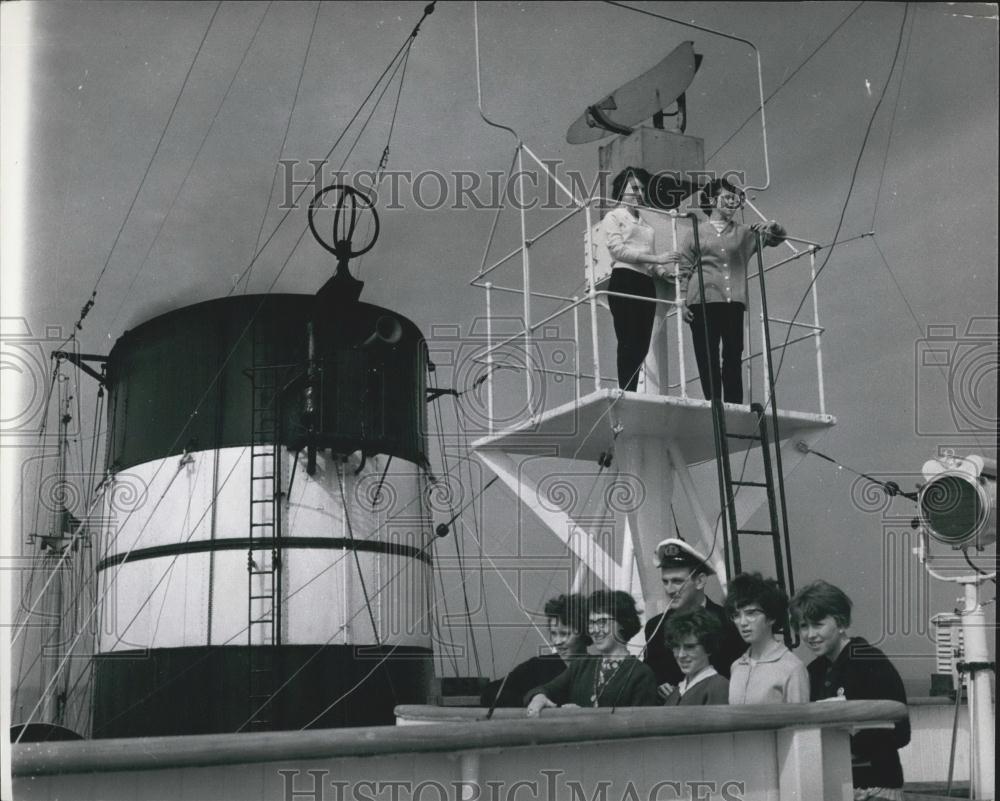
(641, 98)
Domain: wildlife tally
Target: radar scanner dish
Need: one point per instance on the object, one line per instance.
(639, 99)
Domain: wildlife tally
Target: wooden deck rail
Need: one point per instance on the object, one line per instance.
(456, 730)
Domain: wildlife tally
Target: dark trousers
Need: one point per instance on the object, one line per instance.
(725, 326)
(633, 318)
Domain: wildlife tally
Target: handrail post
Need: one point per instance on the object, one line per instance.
(817, 334)
(576, 347)
(766, 353)
(489, 357)
(748, 345)
(592, 295)
(526, 279)
(679, 310)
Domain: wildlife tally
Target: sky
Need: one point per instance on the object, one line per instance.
(99, 190)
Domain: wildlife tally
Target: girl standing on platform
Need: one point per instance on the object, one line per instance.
(632, 247)
(726, 248)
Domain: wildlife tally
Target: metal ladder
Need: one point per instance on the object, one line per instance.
(264, 552)
(774, 487)
(773, 479)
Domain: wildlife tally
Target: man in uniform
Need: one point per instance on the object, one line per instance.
(684, 573)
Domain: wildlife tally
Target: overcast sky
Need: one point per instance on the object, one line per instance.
(94, 84)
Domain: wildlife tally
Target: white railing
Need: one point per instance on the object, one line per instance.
(571, 303)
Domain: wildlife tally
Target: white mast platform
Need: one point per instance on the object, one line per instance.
(654, 438)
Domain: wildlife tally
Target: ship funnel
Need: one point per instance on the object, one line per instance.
(957, 505)
(387, 332)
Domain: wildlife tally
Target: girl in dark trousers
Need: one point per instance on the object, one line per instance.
(726, 249)
(632, 247)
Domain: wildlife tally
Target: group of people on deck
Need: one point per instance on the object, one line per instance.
(721, 245)
(700, 653)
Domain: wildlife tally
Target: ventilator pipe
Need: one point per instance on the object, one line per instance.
(387, 331)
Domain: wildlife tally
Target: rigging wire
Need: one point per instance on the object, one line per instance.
(384, 160)
(429, 480)
(284, 139)
(431, 540)
(892, 124)
(891, 487)
(357, 563)
(57, 520)
(458, 551)
(59, 495)
(30, 611)
(602, 466)
(782, 85)
(464, 442)
(364, 678)
(759, 70)
(76, 639)
(850, 189)
(90, 302)
(185, 525)
(429, 9)
(25, 606)
(169, 568)
(239, 634)
(916, 321)
(87, 547)
(57, 378)
(364, 126)
(190, 169)
(93, 295)
(892, 275)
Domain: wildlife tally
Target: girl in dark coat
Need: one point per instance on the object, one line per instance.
(694, 637)
(610, 676)
(567, 622)
(850, 668)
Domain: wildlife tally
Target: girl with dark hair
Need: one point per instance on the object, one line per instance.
(567, 624)
(850, 668)
(631, 244)
(768, 673)
(694, 637)
(725, 248)
(610, 676)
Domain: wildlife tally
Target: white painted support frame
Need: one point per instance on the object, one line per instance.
(653, 461)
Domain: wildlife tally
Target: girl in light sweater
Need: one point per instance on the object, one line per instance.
(768, 673)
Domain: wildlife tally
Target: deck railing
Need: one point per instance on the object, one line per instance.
(779, 751)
